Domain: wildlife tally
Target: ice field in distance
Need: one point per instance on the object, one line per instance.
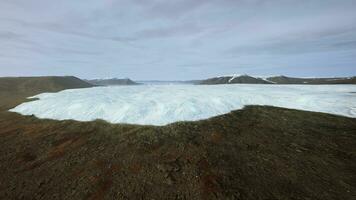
(164, 104)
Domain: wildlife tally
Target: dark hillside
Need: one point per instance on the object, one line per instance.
(292, 80)
(244, 79)
(15, 89)
(40, 84)
(114, 81)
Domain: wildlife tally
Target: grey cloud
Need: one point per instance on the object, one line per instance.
(172, 31)
(346, 45)
(171, 36)
(53, 50)
(333, 39)
(74, 61)
(8, 35)
(61, 28)
(174, 9)
(73, 51)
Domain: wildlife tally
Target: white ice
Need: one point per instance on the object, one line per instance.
(163, 104)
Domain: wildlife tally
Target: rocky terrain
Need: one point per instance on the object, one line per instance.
(233, 80)
(291, 80)
(256, 153)
(34, 85)
(245, 79)
(113, 81)
(13, 90)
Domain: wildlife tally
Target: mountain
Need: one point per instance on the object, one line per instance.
(40, 84)
(157, 82)
(245, 79)
(233, 80)
(14, 90)
(292, 80)
(113, 81)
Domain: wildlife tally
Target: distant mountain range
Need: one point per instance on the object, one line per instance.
(157, 82)
(230, 79)
(113, 81)
(127, 81)
(35, 85)
(246, 79)
(56, 83)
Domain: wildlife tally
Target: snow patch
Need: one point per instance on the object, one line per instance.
(232, 78)
(265, 78)
(164, 104)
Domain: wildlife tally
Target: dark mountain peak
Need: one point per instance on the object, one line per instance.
(234, 79)
(293, 80)
(112, 81)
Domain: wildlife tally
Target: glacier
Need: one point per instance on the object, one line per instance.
(164, 104)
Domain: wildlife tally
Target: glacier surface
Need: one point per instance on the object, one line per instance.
(164, 104)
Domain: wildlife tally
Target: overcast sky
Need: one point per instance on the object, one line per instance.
(177, 39)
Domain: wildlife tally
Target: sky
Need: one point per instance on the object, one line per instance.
(177, 39)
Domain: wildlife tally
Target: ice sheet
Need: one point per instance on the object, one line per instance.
(163, 104)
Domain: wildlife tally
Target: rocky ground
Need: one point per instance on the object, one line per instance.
(255, 153)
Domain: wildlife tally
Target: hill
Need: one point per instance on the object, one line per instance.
(292, 80)
(233, 80)
(113, 81)
(40, 84)
(15, 89)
